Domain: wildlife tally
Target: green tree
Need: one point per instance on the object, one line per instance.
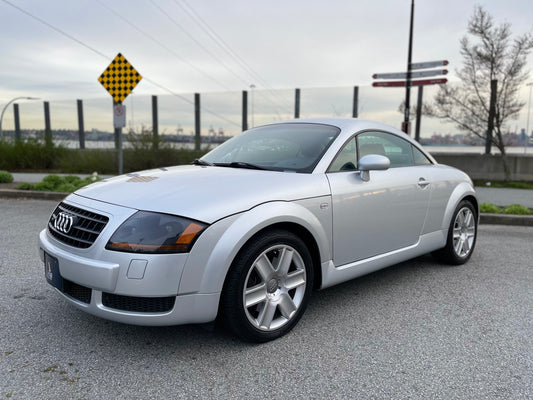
(489, 53)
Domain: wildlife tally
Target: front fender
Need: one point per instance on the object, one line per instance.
(215, 250)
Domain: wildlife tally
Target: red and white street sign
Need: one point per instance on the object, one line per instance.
(429, 64)
(423, 82)
(418, 74)
(119, 115)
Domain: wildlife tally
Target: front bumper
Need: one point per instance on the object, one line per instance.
(140, 289)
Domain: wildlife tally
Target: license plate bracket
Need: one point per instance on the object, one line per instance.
(51, 271)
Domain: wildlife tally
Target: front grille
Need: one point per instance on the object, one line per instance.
(138, 304)
(77, 292)
(75, 226)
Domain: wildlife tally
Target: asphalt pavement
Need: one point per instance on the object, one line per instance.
(505, 197)
(416, 330)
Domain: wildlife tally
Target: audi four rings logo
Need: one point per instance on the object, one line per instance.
(64, 222)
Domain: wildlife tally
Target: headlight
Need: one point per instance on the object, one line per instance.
(148, 232)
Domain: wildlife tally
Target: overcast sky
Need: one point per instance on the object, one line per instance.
(284, 44)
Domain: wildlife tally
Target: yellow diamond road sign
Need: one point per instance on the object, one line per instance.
(119, 78)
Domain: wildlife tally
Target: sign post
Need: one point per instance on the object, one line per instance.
(405, 79)
(119, 79)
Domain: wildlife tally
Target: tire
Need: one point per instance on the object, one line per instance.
(462, 236)
(267, 287)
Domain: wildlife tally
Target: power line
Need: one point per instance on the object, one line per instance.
(159, 43)
(227, 49)
(55, 28)
(214, 57)
(108, 58)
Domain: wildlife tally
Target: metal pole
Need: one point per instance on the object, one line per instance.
(5, 108)
(118, 144)
(244, 110)
(355, 111)
(155, 123)
(405, 126)
(297, 104)
(47, 125)
(492, 112)
(419, 112)
(197, 137)
(81, 128)
(252, 87)
(17, 122)
(530, 84)
(120, 153)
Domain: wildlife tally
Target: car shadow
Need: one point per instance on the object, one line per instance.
(347, 299)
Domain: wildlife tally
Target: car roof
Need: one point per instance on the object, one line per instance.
(351, 126)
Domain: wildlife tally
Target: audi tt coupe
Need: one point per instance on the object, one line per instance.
(248, 231)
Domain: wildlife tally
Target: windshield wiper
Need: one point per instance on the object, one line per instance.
(233, 164)
(240, 164)
(202, 162)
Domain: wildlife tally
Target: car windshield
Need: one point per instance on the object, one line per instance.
(295, 147)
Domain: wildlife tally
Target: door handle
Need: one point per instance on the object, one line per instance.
(422, 183)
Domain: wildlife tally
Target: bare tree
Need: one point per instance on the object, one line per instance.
(489, 53)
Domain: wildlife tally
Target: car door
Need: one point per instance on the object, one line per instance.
(386, 213)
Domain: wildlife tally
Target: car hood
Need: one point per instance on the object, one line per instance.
(204, 193)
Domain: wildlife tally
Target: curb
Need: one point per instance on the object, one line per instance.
(506, 219)
(485, 219)
(32, 194)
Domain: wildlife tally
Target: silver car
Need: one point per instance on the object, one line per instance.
(250, 229)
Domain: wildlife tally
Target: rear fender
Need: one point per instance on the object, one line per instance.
(462, 190)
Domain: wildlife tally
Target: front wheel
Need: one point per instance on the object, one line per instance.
(268, 286)
(462, 235)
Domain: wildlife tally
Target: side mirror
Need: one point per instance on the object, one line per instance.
(372, 162)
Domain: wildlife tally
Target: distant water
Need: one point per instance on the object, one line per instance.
(476, 150)
(108, 144)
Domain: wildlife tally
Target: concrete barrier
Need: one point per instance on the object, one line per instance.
(489, 167)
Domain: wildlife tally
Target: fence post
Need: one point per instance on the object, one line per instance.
(355, 112)
(81, 128)
(244, 110)
(297, 104)
(197, 137)
(17, 122)
(419, 112)
(492, 113)
(155, 123)
(47, 126)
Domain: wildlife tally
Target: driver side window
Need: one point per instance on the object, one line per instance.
(397, 150)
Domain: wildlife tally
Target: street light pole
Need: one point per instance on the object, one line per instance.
(5, 108)
(530, 84)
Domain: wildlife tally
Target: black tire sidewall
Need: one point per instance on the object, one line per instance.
(233, 310)
(451, 255)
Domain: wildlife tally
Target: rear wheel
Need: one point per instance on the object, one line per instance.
(462, 235)
(268, 286)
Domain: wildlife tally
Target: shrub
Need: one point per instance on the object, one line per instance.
(516, 209)
(26, 186)
(5, 177)
(55, 183)
(29, 154)
(489, 208)
(145, 153)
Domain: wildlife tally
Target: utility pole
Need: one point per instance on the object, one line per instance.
(405, 125)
